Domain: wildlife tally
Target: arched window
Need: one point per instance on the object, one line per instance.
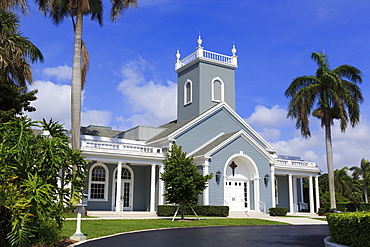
(98, 182)
(187, 92)
(217, 90)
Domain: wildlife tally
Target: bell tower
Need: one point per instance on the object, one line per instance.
(204, 79)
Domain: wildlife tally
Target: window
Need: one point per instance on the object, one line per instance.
(217, 90)
(187, 92)
(98, 182)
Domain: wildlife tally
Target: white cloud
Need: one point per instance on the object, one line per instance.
(270, 134)
(148, 103)
(265, 117)
(348, 148)
(95, 117)
(53, 101)
(61, 72)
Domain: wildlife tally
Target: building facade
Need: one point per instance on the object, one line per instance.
(124, 166)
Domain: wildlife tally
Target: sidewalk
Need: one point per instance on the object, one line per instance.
(299, 219)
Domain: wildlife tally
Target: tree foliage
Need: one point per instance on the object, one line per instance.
(16, 52)
(183, 183)
(362, 174)
(327, 95)
(35, 178)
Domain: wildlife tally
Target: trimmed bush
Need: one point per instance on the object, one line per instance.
(348, 207)
(279, 211)
(352, 229)
(322, 211)
(201, 210)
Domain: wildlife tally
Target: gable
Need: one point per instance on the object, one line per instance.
(222, 120)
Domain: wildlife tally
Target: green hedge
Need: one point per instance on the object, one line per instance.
(279, 211)
(352, 229)
(202, 210)
(347, 207)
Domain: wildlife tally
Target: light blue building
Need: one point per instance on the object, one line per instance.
(124, 166)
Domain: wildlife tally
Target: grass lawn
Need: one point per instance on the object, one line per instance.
(99, 228)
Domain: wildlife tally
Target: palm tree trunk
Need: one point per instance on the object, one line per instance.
(329, 160)
(365, 191)
(76, 84)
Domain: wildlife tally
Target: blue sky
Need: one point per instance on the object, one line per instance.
(132, 82)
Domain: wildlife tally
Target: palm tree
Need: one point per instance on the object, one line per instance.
(334, 94)
(58, 10)
(343, 182)
(16, 52)
(364, 172)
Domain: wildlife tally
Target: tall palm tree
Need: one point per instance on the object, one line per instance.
(364, 172)
(16, 52)
(58, 10)
(328, 95)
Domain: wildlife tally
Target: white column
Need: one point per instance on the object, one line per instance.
(206, 190)
(290, 182)
(295, 191)
(161, 186)
(301, 188)
(312, 209)
(273, 199)
(152, 189)
(119, 186)
(257, 195)
(317, 196)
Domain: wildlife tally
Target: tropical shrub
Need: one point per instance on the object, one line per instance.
(278, 211)
(31, 168)
(201, 210)
(352, 229)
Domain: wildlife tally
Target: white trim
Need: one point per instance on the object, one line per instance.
(106, 182)
(222, 89)
(122, 181)
(248, 138)
(185, 92)
(254, 177)
(266, 146)
(205, 144)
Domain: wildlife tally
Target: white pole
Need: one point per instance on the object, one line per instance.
(78, 236)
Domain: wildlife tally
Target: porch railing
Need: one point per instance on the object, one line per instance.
(296, 163)
(121, 147)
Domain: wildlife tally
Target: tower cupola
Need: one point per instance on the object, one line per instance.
(204, 78)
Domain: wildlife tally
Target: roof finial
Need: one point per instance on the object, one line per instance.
(233, 50)
(178, 54)
(199, 41)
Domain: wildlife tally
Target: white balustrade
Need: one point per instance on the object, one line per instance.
(123, 147)
(209, 55)
(296, 163)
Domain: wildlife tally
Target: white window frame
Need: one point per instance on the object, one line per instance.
(106, 182)
(213, 89)
(188, 82)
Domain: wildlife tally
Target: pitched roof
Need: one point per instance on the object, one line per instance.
(214, 144)
(172, 127)
(95, 130)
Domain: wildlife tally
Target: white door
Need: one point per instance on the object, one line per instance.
(235, 195)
